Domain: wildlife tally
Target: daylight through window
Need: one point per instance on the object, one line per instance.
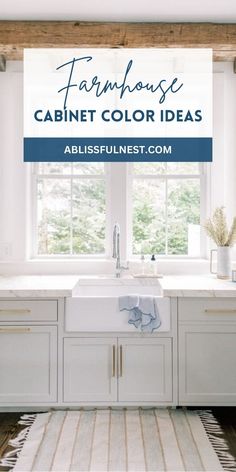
(71, 208)
(166, 208)
(72, 213)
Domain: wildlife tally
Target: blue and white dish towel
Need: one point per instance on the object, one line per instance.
(143, 312)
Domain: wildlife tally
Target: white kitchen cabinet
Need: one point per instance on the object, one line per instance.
(28, 311)
(117, 369)
(28, 364)
(90, 369)
(207, 352)
(145, 369)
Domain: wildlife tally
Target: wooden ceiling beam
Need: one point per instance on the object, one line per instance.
(17, 35)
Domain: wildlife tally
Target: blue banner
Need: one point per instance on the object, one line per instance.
(118, 149)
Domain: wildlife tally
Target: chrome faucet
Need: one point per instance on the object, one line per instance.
(116, 250)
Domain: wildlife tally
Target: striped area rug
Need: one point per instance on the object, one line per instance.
(120, 440)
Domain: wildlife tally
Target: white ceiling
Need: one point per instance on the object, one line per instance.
(221, 11)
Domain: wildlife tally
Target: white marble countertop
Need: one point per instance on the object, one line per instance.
(38, 286)
(53, 286)
(197, 286)
(171, 286)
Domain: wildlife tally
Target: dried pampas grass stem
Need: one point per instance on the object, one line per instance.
(217, 229)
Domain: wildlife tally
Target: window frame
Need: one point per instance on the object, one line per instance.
(34, 214)
(118, 192)
(204, 178)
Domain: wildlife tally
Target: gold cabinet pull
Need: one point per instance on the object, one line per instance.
(11, 311)
(212, 311)
(113, 360)
(15, 330)
(121, 361)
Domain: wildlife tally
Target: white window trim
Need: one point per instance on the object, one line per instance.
(118, 210)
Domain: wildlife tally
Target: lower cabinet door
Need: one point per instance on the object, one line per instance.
(145, 370)
(207, 373)
(90, 369)
(28, 364)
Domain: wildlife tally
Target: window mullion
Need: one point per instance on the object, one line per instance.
(119, 204)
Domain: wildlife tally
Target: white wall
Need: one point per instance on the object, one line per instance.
(13, 182)
(223, 169)
(107, 10)
(12, 169)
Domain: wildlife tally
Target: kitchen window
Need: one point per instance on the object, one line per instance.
(70, 209)
(167, 208)
(158, 205)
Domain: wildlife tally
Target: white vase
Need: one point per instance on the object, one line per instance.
(223, 262)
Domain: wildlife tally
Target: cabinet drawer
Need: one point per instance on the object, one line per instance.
(207, 309)
(28, 310)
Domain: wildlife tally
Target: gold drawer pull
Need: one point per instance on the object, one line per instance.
(16, 311)
(113, 360)
(121, 361)
(15, 330)
(220, 310)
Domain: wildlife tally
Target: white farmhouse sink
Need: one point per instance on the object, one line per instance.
(94, 306)
(108, 286)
